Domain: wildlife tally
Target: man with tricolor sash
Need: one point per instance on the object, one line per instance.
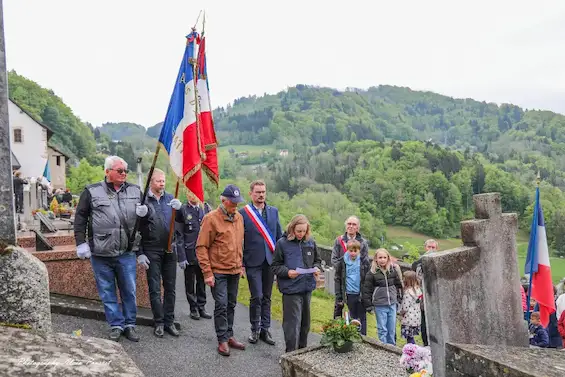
(352, 225)
(262, 230)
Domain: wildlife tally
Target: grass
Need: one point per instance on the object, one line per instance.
(321, 310)
(400, 235)
(252, 150)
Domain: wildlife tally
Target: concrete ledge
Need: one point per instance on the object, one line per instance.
(466, 360)
(93, 309)
(321, 361)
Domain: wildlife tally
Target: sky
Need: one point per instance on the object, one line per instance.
(117, 60)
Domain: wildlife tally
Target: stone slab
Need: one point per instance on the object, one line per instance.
(69, 275)
(365, 359)
(27, 239)
(31, 353)
(464, 360)
(24, 290)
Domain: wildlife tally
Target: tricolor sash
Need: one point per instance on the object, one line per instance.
(263, 229)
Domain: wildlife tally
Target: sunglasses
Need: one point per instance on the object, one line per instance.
(121, 171)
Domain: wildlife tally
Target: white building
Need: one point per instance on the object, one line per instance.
(28, 141)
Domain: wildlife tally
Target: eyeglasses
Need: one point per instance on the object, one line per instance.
(121, 171)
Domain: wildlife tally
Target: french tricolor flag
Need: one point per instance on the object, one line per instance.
(537, 265)
(188, 134)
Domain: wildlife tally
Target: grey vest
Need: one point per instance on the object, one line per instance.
(109, 238)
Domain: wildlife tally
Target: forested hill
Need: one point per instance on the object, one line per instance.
(70, 133)
(305, 115)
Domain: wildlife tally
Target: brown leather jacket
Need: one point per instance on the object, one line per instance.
(219, 247)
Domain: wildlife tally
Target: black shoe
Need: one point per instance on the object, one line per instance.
(159, 331)
(115, 334)
(254, 337)
(130, 333)
(194, 315)
(171, 329)
(204, 314)
(266, 337)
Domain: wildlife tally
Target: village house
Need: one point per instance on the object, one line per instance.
(29, 142)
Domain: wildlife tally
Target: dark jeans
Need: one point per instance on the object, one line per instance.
(260, 286)
(357, 311)
(108, 270)
(162, 266)
(195, 288)
(338, 310)
(423, 329)
(224, 292)
(296, 320)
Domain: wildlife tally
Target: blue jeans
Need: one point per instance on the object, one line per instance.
(108, 270)
(386, 323)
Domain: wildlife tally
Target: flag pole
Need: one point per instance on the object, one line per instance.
(533, 255)
(172, 223)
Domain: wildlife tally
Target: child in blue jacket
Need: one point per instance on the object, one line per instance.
(538, 334)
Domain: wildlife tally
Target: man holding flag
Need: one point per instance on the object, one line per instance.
(538, 267)
(262, 230)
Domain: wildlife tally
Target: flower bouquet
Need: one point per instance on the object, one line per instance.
(417, 360)
(340, 334)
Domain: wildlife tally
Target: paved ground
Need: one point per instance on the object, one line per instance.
(194, 352)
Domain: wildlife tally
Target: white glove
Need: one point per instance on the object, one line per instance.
(141, 210)
(176, 204)
(83, 251)
(142, 260)
(183, 264)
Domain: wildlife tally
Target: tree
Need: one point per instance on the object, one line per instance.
(83, 175)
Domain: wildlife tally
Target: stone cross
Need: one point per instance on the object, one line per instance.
(472, 293)
(7, 222)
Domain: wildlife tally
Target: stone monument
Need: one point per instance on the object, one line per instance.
(472, 293)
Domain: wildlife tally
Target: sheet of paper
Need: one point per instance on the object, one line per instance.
(303, 271)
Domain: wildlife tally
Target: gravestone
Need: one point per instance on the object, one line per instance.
(45, 224)
(472, 293)
(7, 223)
(41, 243)
(24, 290)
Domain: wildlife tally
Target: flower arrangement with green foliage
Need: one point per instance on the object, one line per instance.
(338, 332)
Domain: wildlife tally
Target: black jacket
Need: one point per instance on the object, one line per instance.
(382, 289)
(340, 279)
(154, 227)
(187, 227)
(290, 255)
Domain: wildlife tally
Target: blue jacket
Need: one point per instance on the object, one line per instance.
(540, 337)
(154, 227)
(290, 255)
(255, 249)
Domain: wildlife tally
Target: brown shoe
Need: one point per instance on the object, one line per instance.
(235, 344)
(223, 349)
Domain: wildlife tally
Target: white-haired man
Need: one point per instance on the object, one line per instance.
(219, 249)
(352, 225)
(104, 221)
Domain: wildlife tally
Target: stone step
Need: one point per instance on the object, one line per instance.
(92, 309)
